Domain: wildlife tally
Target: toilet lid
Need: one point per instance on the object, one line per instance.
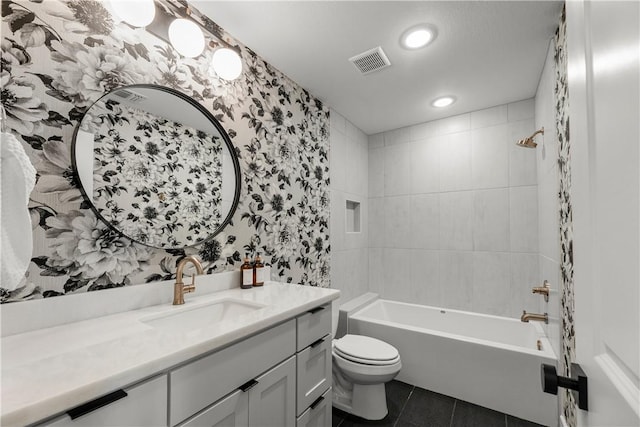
(365, 349)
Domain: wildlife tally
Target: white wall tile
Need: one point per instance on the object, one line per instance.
(524, 276)
(397, 136)
(489, 157)
(424, 131)
(521, 110)
(491, 220)
(337, 161)
(489, 117)
(425, 284)
(397, 161)
(376, 270)
(549, 214)
(356, 176)
(425, 221)
(425, 165)
(376, 222)
(337, 122)
(337, 221)
(397, 274)
(376, 172)
(376, 141)
(456, 279)
(397, 231)
(456, 221)
(491, 277)
(523, 213)
(454, 124)
(455, 162)
(522, 161)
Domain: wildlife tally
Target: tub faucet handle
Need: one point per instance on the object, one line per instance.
(543, 290)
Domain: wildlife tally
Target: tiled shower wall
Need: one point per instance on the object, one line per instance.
(548, 204)
(349, 182)
(453, 212)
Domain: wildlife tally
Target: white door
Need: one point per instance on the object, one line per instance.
(603, 42)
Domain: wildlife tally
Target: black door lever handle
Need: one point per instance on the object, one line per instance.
(578, 383)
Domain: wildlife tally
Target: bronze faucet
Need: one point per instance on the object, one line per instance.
(533, 316)
(179, 288)
(543, 290)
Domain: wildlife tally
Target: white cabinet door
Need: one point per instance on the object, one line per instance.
(144, 405)
(231, 411)
(272, 401)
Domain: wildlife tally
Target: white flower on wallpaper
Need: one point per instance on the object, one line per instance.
(59, 57)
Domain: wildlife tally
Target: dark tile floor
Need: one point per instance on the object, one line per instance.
(411, 406)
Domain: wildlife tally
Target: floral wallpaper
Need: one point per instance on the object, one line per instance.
(59, 57)
(566, 216)
(157, 181)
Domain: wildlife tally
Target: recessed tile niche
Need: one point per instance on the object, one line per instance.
(353, 217)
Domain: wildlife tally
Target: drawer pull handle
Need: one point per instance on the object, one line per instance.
(316, 310)
(316, 402)
(248, 385)
(317, 342)
(98, 403)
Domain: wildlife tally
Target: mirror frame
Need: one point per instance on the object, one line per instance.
(212, 120)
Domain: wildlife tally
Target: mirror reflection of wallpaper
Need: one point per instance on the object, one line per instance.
(59, 57)
(156, 180)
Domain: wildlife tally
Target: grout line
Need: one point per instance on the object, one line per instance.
(404, 405)
(455, 403)
(506, 421)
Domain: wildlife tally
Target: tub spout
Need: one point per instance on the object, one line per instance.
(534, 316)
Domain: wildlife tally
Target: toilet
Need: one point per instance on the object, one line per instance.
(361, 367)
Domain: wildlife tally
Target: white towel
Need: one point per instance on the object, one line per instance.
(17, 178)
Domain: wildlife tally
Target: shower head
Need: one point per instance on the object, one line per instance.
(528, 142)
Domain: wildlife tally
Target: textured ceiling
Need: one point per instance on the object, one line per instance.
(487, 53)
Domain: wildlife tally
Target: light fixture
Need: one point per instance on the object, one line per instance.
(186, 37)
(443, 101)
(226, 63)
(137, 13)
(418, 36)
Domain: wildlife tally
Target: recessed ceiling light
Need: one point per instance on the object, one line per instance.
(443, 101)
(418, 36)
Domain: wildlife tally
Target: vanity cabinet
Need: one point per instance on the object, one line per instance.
(266, 401)
(144, 404)
(198, 384)
(280, 377)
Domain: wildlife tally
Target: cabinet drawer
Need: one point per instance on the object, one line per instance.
(144, 405)
(200, 383)
(313, 325)
(231, 411)
(319, 415)
(314, 372)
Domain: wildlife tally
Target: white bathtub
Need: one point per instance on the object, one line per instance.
(487, 360)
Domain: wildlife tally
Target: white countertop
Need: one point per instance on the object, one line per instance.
(47, 371)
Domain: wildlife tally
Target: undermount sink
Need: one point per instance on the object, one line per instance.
(203, 315)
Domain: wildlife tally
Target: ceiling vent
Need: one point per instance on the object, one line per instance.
(370, 61)
(129, 95)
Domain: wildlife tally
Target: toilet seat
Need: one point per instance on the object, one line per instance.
(365, 350)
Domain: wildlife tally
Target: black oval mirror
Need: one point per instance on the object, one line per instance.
(156, 166)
